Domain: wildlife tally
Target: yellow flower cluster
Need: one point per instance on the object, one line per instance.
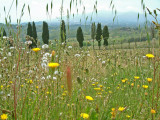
(97, 89)
(113, 113)
(136, 77)
(145, 86)
(4, 116)
(84, 115)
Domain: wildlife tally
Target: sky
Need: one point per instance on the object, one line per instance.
(38, 8)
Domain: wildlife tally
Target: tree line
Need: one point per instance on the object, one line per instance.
(96, 34)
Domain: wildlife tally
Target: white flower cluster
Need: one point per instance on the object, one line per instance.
(69, 47)
(77, 55)
(28, 42)
(45, 46)
(45, 60)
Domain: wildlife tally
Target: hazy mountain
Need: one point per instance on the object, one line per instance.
(128, 18)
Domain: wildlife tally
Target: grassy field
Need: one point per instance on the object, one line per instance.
(88, 84)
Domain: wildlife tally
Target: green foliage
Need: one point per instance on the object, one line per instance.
(80, 37)
(45, 33)
(105, 35)
(63, 32)
(98, 34)
(34, 35)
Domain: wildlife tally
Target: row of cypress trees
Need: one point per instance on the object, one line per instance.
(97, 34)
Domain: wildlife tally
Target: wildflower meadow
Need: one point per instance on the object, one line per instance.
(65, 79)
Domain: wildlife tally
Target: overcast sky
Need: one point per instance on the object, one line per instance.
(38, 8)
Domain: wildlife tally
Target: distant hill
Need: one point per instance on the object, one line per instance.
(125, 23)
(104, 17)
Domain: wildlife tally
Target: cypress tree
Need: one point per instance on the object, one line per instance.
(4, 33)
(105, 35)
(45, 33)
(29, 30)
(29, 33)
(98, 34)
(93, 32)
(80, 37)
(34, 35)
(63, 32)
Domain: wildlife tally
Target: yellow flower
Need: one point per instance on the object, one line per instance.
(113, 109)
(123, 81)
(121, 109)
(153, 111)
(68, 105)
(149, 79)
(89, 98)
(53, 53)
(53, 65)
(110, 92)
(22, 86)
(96, 83)
(145, 86)
(149, 55)
(1, 86)
(48, 92)
(97, 89)
(128, 116)
(4, 117)
(62, 86)
(113, 113)
(36, 49)
(136, 77)
(100, 86)
(84, 115)
(63, 94)
(30, 81)
(10, 82)
(93, 84)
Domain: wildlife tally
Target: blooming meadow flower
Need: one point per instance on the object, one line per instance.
(53, 65)
(4, 116)
(149, 79)
(153, 111)
(84, 115)
(36, 49)
(89, 98)
(149, 55)
(121, 109)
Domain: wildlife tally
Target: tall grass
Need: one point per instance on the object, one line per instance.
(123, 84)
